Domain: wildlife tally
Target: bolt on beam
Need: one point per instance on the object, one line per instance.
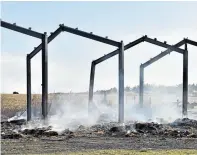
(21, 29)
(162, 54)
(111, 54)
(161, 44)
(50, 38)
(90, 36)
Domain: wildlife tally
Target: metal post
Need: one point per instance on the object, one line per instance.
(141, 86)
(28, 65)
(185, 81)
(91, 86)
(44, 76)
(121, 82)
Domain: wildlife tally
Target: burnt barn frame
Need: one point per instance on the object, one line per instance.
(43, 47)
(109, 55)
(31, 33)
(185, 41)
(120, 51)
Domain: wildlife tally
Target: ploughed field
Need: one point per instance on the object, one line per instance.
(181, 134)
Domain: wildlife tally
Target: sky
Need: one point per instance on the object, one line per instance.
(70, 56)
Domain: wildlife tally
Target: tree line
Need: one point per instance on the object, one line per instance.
(192, 88)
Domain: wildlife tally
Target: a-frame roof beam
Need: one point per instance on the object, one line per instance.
(165, 45)
(162, 54)
(50, 38)
(90, 36)
(21, 29)
(109, 55)
(191, 42)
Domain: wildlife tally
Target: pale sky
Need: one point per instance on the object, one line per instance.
(70, 56)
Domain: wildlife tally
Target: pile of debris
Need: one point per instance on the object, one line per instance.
(178, 129)
(9, 129)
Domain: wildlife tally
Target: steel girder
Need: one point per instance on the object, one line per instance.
(20, 29)
(63, 28)
(35, 34)
(185, 72)
(109, 55)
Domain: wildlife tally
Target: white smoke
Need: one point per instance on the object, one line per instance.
(72, 111)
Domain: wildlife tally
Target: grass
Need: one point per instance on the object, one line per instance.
(133, 152)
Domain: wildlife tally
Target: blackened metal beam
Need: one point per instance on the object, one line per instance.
(28, 65)
(185, 81)
(191, 42)
(21, 29)
(50, 38)
(165, 45)
(90, 36)
(109, 55)
(44, 76)
(121, 82)
(141, 85)
(162, 54)
(91, 87)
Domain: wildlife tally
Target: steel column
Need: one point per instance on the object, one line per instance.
(91, 87)
(121, 82)
(28, 65)
(44, 76)
(141, 86)
(185, 81)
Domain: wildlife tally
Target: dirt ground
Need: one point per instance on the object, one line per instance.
(35, 145)
(182, 134)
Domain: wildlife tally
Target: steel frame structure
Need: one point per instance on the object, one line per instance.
(185, 72)
(31, 33)
(42, 46)
(109, 55)
(63, 28)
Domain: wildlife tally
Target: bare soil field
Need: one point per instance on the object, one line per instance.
(181, 134)
(52, 145)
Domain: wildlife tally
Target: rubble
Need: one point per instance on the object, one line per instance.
(185, 122)
(179, 128)
(10, 134)
(37, 132)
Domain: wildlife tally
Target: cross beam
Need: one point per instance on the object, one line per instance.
(90, 36)
(185, 71)
(134, 43)
(162, 54)
(43, 37)
(109, 55)
(45, 40)
(50, 38)
(20, 29)
(191, 42)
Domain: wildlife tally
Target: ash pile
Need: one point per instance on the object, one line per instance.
(185, 127)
